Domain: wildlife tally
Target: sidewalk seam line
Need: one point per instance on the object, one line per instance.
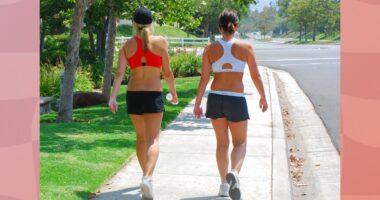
(271, 114)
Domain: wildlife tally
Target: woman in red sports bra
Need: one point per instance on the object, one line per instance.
(147, 56)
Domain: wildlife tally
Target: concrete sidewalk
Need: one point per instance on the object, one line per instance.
(187, 170)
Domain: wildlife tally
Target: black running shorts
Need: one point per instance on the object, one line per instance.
(233, 108)
(140, 102)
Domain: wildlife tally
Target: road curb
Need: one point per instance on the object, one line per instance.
(321, 168)
(281, 184)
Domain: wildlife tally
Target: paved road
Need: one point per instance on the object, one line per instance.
(316, 68)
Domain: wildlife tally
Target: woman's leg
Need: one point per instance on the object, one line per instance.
(221, 131)
(139, 124)
(152, 131)
(239, 140)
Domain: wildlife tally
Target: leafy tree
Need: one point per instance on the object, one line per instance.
(266, 20)
(282, 12)
(72, 60)
(298, 12)
(54, 19)
(247, 24)
(210, 10)
(312, 15)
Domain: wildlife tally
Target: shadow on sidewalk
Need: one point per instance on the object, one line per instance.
(207, 198)
(132, 193)
(189, 123)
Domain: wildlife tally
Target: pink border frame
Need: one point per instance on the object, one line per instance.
(19, 97)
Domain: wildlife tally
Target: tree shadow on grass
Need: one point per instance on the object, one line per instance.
(64, 137)
(58, 144)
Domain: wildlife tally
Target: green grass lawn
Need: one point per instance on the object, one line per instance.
(170, 31)
(165, 30)
(77, 158)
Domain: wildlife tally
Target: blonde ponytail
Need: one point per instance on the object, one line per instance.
(145, 32)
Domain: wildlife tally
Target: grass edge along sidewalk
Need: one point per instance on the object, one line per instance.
(77, 158)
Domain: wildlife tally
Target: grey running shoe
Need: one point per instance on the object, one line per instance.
(147, 188)
(233, 181)
(223, 190)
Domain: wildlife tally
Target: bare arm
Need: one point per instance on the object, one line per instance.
(167, 71)
(205, 77)
(256, 78)
(121, 66)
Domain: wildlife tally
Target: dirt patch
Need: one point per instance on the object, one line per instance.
(298, 165)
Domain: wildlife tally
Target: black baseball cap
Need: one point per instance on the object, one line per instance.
(143, 16)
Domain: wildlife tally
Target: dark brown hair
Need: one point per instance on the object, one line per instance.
(228, 21)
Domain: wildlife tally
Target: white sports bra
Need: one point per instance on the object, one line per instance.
(236, 65)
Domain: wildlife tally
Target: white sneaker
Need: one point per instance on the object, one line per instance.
(233, 181)
(223, 190)
(147, 188)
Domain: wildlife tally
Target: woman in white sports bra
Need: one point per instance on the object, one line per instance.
(226, 104)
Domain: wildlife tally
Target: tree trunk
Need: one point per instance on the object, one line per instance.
(99, 37)
(305, 32)
(265, 33)
(106, 90)
(207, 27)
(65, 113)
(92, 42)
(42, 37)
(300, 34)
(42, 41)
(101, 40)
(104, 37)
(314, 32)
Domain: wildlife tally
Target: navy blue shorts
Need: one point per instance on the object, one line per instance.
(233, 108)
(140, 102)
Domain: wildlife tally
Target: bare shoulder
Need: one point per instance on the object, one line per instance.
(159, 41)
(244, 44)
(127, 44)
(212, 47)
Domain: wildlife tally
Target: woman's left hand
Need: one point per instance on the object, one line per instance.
(198, 111)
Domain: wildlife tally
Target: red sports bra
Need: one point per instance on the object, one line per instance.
(152, 60)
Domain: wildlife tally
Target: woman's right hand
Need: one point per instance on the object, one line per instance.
(174, 99)
(263, 104)
(198, 111)
(112, 104)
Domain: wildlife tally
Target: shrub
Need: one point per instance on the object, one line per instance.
(186, 64)
(96, 70)
(83, 80)
(56, 46)
(124, 30)
(50, 78)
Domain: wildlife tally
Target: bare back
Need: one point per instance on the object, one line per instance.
(147, 78)
(228, 81)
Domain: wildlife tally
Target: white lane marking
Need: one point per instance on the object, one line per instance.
(310, 64)
(299, 59)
